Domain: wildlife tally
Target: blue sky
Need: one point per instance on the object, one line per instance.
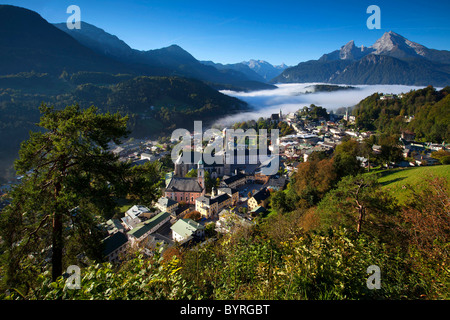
(289, 31)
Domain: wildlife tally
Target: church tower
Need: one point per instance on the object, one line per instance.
(201, 175)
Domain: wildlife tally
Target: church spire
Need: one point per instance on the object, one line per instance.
(201, 174)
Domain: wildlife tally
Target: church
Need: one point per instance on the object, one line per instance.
(187, 189)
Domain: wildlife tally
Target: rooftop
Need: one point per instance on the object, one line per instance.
(166, 202)
(144, 227)
(136, 210)
(184, 185)
(113, 242)
(186, 227)
(261, 195)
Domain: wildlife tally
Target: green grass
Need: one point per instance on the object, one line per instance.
(396, 180)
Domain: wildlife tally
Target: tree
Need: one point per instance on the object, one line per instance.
(192, 173)
(426, 224)
(345, 161)
(442, 155)
(194, 215)
(358, 201)
(390, 150)
(314, 179)
(284, 202)
(70, 175)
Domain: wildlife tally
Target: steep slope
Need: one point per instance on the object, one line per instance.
(98, 40)
(28, 42)
(169, 61)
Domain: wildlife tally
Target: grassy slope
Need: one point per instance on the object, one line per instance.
(395, 179)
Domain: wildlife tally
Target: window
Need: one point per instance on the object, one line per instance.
(192, 199)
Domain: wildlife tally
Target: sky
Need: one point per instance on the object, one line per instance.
(231, 31)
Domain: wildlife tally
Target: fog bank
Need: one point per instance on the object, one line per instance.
(291, 97)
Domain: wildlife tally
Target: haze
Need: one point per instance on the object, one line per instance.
(291, 97)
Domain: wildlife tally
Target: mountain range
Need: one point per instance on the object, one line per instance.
(392, 59)
(258, 70)
(30, 43)
(173, 58)
(168, 61)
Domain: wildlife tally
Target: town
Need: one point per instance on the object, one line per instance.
(201, 200)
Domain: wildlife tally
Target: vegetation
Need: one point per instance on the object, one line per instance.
(262, 123)
(155, 106)
(281, 259)
(428, 107)
(324, 230)
(71, 180)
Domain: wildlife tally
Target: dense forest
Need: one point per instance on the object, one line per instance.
(423, 111)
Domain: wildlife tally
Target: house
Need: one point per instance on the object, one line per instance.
(113, 225)
(142, 231)
(424, 160)
(233, 193)
(235, 181)
(209, 206)
(184, 229)
(408, 135)
(275, 118)
(147, 156)
(260, 198)
(229, 221)
(257, 211)
(167, 205)
(376, 149)
(182, 209)
(276, 183)
(114, 246)
(135, 215)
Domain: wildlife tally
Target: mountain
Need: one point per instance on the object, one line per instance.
(168, 61)
(239, 67)
(98, 40)
(30, 43)
(265, 69)
(347, 52)
(392, 59)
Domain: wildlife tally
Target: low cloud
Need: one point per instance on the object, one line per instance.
(291, 97)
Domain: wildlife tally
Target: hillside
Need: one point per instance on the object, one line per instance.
(168, 61)
(396, 181)
(156, 105)
(30, 43)
(428, 109)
